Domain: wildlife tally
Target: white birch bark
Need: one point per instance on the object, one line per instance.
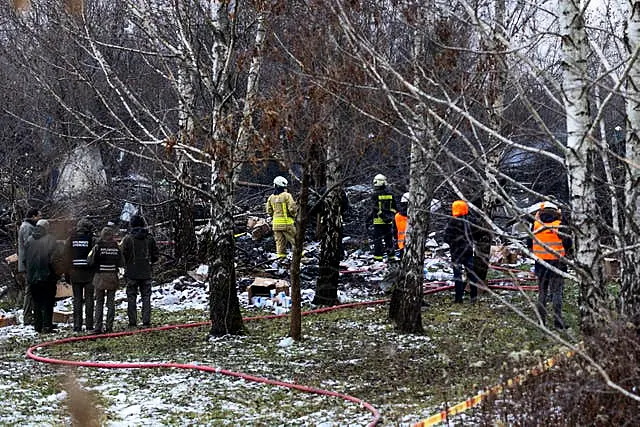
(224, 307)
(246, 126)
(579, 163)
(630, 292)
(493, 153)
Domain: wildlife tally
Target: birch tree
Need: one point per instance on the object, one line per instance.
(630, 289)
(179, 46)
(579, 159)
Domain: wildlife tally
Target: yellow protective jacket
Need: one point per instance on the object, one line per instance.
(546, 234)
(282, 208)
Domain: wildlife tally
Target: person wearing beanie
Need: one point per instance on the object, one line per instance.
(105, 258)
(26, 229)
(140, 251)
(42, 259)
(459, 236)
(80, 274)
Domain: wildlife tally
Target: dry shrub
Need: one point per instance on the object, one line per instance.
(82, 405)
(21, 5)
(573, 392)
(74, 7)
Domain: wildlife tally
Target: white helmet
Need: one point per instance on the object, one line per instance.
(548, 205)
(405, 198)
(379, 180)
(280, 181)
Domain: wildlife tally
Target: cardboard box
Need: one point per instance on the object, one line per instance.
(7, 321)
(63, 290)
(62, 316)
(262, 285)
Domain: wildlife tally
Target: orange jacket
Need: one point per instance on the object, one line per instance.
(401, 227)
(546, 234)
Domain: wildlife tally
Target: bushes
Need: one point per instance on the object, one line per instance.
(575, 392)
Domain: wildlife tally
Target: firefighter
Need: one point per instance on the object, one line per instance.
(401, 220)
(382, 212)
(282, 209)
(550, 244)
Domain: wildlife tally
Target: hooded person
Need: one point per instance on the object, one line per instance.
(459, 236)
(140, 251)
(551, 244)
(80, 274)
(26, 229)
(105, 258)
(43, 261)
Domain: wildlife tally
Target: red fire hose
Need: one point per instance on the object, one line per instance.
(31, 351)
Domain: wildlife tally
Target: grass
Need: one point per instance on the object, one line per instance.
(353, 351)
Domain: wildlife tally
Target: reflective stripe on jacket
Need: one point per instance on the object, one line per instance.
(401, 227)
(385, 209)
(546, 234)
(80, 248)
(282, 209)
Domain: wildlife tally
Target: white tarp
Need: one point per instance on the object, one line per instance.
(82, 171)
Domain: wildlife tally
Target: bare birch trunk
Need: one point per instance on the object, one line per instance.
(579, 160)
(246, 126)
(630, 292)
(494, 103)
(183, 222)
(224, 307)
(331, 217)
(406, 300)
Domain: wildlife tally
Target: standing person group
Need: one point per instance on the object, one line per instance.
(91, 265)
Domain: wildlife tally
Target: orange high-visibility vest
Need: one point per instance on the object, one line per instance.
(546, 234)
(401, 227)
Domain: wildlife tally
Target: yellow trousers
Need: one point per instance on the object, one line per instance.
(284, 234)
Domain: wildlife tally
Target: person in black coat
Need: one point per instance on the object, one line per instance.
(383, 210)
(140, 251)
(459, 235)
(80, 274)
(43, 260)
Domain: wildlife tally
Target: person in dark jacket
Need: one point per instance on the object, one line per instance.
(140, 251)
(43, 260)
(105, 257)
(458, 235)
(383, 209)
(80, 274)
(551, 244)
(26, 229)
